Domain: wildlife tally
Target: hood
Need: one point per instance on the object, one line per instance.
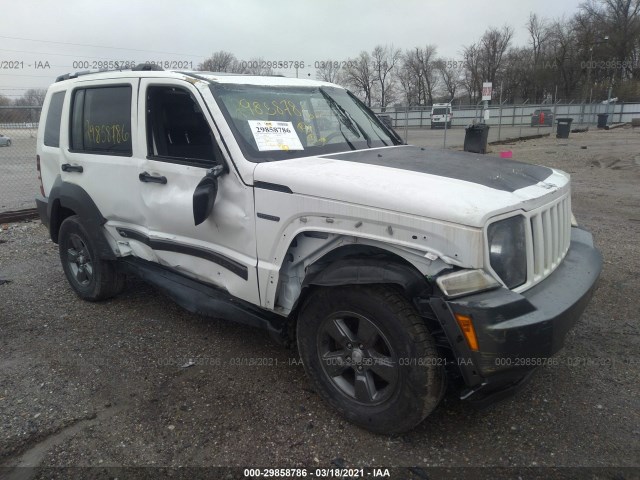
(457, 187)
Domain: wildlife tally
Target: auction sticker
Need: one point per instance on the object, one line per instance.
(274, 135)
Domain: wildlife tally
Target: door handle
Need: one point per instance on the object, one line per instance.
(67, 167)
(147, 177)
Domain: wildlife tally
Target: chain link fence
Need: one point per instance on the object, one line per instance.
(506, 122)
(18, 177)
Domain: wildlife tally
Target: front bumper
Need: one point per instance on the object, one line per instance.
(519, 331)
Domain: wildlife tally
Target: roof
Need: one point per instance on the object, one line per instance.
(258, 79)
(214, 77)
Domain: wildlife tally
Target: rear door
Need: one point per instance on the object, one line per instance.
(101, 153)
(181, 147)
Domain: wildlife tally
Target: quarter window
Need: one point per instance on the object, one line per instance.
(52, 125)
(101, 120)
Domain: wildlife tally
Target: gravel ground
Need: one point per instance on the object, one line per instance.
(137, 381)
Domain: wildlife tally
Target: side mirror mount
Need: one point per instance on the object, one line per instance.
(205, 194)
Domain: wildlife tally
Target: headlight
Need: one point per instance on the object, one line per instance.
(465, 282)
(508, 251)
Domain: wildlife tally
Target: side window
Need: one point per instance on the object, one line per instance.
(101, 120)
(177, 129)
(52, 125)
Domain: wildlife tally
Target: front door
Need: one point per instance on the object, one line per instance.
(181, 148)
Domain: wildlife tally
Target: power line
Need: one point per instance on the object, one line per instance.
(63, 54)
(100, 46)
(21, 75)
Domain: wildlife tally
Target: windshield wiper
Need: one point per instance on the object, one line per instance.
(368, 114)
(345, 118)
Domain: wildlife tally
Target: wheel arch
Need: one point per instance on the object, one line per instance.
(352, 265)
(67, 199)
(349, 261)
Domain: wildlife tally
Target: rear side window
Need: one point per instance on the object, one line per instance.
(52, 125)
(101, 120)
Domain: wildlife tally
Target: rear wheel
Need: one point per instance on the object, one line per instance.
(92, 279)
(370, 356)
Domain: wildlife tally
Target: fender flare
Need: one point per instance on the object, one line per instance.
(73, 197)
(367, 271)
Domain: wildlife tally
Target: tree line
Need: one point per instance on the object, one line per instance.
(565, 59)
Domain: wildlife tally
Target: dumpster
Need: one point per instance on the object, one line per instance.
(475, 138)
(564, 127)
(602, 120)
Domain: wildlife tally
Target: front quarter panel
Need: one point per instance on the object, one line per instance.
(282, 216)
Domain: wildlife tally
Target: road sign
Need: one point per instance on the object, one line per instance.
(487, 88)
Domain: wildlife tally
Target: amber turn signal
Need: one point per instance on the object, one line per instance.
(466, 325)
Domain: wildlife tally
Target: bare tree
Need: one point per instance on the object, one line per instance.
(451, 75)
(329, 71)
(538, 37)
(620, 19)
(385, 59)
(517, 75)
(484, 59)
(220, 61)
(34, 96)
(419, 75)
(564, 65)
(493, 45)
(472, 79)
(359, 75)
(408, 82)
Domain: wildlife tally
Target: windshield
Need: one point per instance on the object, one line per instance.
(278, 123)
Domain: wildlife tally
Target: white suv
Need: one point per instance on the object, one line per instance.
(286, 204)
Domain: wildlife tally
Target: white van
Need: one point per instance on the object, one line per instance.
(441, 115)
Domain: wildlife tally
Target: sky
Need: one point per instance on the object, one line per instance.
(41, 39)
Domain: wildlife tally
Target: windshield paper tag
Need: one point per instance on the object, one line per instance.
(274, 135)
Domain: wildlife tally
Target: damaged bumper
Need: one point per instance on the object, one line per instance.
(518, 332)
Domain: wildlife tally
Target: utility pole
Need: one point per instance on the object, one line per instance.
(609, 101)
(590, 65)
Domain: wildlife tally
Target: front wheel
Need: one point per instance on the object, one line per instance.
(370, 356)
(92, 279)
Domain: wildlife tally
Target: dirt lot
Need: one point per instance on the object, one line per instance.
(107, 384)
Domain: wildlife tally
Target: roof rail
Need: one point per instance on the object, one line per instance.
(147, 67)
(141, 67)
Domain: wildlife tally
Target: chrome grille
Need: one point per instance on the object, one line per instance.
(549, 238)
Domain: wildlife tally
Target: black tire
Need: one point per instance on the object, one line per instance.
(90, 277)
(397, 378)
